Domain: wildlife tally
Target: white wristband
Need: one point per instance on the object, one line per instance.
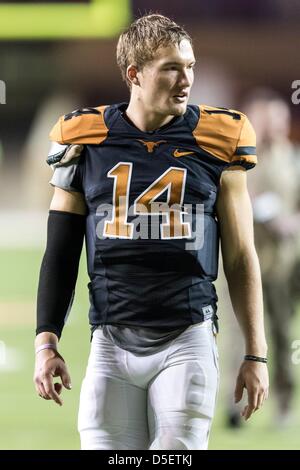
(46, 346)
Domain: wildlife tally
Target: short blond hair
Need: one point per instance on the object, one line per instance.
(139, 42)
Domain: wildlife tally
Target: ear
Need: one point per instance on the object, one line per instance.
(132, 74)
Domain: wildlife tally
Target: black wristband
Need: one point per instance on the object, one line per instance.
(249, 357)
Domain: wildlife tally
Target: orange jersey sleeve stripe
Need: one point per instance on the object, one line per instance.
(85, 128)
(225, 133)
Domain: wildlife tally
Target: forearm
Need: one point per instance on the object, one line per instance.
(46, 337)
(244, 283)
(59, 270)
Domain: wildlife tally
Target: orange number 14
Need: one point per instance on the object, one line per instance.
(172, 181)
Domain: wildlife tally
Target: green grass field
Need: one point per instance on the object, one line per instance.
(28, 422)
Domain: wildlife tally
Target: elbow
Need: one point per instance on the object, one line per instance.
(241, 262)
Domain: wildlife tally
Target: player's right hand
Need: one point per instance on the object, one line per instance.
(49, 363)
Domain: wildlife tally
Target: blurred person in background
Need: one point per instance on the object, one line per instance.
(152, 375)
(274, 188)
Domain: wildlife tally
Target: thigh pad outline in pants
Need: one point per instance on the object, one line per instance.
(181, 399)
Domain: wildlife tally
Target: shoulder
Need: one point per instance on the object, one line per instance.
(223, 122)
(225, 133)
(82, 126)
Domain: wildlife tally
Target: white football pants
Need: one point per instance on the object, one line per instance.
(164, 400)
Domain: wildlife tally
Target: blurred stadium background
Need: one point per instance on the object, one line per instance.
(56, 56)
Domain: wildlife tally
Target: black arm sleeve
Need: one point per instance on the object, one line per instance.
(59, 270)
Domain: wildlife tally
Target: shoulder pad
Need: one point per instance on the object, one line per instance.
(63, 155)
(82, 126)
(218, 131)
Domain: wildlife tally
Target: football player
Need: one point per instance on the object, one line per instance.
(153, 184)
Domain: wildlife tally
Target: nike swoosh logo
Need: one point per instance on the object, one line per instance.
(181, 154)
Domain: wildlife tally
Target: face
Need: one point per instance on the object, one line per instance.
(166, 81)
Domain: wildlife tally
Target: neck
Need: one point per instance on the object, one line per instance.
(144, 119)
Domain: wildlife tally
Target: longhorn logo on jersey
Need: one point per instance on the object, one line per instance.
(151, 145)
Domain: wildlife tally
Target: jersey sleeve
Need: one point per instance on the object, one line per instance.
(71, 132)
(82, 126)
(67, 162)
(227, 135)
(245, 152)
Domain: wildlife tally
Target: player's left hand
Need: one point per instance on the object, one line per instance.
(255, 378)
